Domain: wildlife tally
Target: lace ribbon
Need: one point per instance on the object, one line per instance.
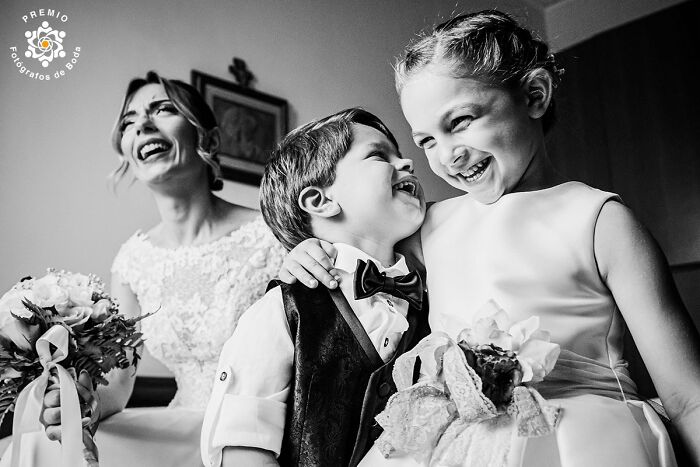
(445, 419)
(29, 401)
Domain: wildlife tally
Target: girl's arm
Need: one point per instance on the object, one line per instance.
(311, 262)
(635, 269)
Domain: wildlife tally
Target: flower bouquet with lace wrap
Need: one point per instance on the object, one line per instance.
(52, 329)
(474, 393)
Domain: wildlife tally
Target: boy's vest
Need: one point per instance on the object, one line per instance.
(339, 383)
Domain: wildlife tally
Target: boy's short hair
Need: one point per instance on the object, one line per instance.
(307, 156)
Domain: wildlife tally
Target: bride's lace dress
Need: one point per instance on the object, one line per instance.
(198, 293)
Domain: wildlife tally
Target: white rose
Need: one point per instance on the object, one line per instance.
(76, 315)
(48, 279)
(80, 296)
(48, 293)
(76, 280)
(100, 310)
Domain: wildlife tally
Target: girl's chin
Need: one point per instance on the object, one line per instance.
(483, 194)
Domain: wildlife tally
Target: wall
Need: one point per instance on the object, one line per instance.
(628, 124)
(321, 56)
(569, 22)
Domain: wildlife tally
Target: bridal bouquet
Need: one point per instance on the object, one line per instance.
(60, 324)
(472, 393)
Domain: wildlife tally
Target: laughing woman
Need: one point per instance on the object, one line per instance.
(204, 264)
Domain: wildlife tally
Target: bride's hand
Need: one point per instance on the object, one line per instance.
(310, 262)
(51, 409)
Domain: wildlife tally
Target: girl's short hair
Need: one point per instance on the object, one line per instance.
(190, 103)
(489, 46)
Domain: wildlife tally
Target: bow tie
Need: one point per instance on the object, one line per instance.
(369, 281)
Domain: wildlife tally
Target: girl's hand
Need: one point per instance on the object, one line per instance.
(310, 261)
(51, 410)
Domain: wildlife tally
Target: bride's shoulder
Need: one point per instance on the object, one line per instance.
(132, 255)
(135, 242)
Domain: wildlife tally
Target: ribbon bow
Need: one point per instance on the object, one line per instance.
(446, 420)
(369, 281)
(52, 348)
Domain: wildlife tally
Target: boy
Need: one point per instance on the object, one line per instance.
(306, 370)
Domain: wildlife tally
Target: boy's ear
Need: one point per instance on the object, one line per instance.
(315, 201)
(539, 90)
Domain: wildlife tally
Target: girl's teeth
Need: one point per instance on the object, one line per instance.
(475, 171)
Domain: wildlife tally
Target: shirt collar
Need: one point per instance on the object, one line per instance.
(347, 257)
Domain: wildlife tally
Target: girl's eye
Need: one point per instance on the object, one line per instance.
(376, 155)
(459, 123)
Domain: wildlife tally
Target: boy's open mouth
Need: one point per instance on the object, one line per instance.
(153, 147)
(407, 186)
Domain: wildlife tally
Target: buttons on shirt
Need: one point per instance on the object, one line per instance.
(390, 303)
(386, 342)
(384, 389)
(223, 376)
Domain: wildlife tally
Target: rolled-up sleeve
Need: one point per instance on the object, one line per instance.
(247, 406)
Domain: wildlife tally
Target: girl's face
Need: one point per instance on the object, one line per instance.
(479, 138)
(157, 140)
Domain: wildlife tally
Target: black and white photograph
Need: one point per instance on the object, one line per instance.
(456, 233)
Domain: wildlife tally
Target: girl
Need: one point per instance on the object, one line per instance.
(478, 95)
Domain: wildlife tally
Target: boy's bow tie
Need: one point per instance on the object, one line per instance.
(368, 281)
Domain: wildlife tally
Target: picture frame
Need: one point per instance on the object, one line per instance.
(251, 124)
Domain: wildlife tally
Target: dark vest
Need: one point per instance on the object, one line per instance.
(338, 386)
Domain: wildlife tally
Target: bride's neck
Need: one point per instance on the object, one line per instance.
(187, 217)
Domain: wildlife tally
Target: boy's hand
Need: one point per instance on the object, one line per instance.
(310, 262)
(51, 410)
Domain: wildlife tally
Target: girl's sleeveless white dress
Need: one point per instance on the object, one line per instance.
(532, 253)
(199, 293)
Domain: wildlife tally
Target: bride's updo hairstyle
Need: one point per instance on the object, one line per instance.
(192, 106)
(488, 46)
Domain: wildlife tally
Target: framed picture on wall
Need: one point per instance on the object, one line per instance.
(251, 124)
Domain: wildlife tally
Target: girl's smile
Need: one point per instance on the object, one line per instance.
(478, 137)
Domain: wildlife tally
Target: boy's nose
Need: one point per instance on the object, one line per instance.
(405, 165)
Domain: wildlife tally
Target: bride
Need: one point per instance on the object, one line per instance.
(199, 269)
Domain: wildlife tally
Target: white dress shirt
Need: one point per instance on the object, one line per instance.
(247, 407)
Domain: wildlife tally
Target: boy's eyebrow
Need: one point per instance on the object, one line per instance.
(384, 146)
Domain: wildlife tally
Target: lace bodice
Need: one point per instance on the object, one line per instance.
(199, 293)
